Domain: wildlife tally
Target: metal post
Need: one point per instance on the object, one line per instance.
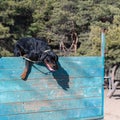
(103, 43)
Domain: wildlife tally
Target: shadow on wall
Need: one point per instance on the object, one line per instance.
(61, 76)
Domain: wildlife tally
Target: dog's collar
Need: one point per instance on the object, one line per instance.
(47, 51)
(32, 60)
(29, 59)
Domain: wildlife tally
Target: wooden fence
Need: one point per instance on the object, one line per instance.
(74, 92)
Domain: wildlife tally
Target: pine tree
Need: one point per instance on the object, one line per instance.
(6, 21)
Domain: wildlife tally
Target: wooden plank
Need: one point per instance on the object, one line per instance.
(49, 94)
(58, 115)
(48, 105)
(81, 60)
(13, 71)
(18, 63)
(15, 74)
(66, 71)
(41, 84)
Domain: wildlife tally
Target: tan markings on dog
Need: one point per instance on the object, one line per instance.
(24, 74)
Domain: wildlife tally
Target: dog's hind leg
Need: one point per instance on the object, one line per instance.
(27, 70)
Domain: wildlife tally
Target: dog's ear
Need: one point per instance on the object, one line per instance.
(56, 58)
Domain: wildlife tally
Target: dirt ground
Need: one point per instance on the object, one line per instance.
(112, 106)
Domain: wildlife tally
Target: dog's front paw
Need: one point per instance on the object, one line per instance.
(23, 76)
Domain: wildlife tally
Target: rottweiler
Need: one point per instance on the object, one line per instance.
(35, 49)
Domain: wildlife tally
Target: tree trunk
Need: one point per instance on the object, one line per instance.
(74, 37)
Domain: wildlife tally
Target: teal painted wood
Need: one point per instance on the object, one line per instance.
(49, 94)
(75, 83)
(49, 105)
(79, 64)
(73, 92)
(71, 114)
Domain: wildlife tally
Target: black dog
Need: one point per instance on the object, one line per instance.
(38, 50)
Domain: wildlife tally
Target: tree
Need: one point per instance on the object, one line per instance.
(6, 20)
(113, 45)
(22, 18)
(70, 25)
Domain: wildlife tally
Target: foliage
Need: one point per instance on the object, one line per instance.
(113, 45)
(57, 19)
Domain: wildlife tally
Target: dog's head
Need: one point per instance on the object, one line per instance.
(50, 59)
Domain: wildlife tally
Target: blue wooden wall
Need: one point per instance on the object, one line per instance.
(74, 92)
